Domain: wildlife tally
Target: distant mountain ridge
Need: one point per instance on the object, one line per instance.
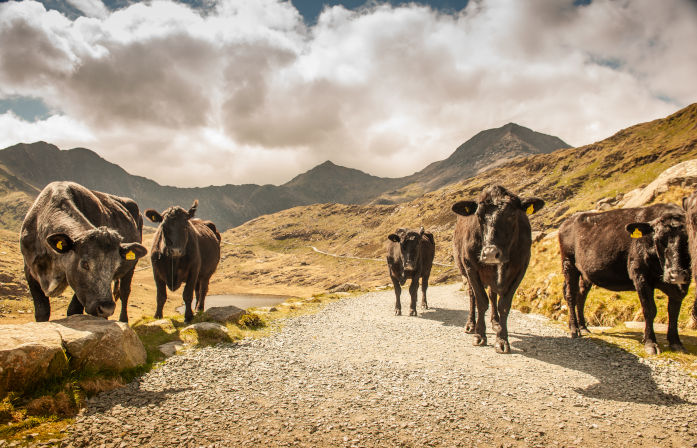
(37, 164)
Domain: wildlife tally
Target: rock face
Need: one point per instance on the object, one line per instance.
(38, 351)
(683, 174)
(28, 354)
(98, 344)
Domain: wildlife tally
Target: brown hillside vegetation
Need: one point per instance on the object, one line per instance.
(568, 180)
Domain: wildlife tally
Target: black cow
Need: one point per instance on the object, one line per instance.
(690, 206)
(84, 239)
(491, 247)
(410, 255)
(184, 250)
(639, 249)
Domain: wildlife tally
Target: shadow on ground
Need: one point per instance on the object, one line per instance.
(448, 317)
(621, 376)
(131, 396)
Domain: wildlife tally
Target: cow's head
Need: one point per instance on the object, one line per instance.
(174, 225)
(410, 247)
(667, 236)
(498, 211)
(90, 262)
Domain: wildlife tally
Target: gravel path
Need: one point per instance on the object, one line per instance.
(355, 375)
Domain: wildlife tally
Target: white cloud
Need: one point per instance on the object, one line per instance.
(246, 92)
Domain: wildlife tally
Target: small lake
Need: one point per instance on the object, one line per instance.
(243, 301)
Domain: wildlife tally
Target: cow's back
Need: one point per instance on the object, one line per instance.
(598, 244)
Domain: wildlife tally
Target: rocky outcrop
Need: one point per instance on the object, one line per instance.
(224, 314)
(97, 344)
(683, 174)
(38, 351)
(29, 354)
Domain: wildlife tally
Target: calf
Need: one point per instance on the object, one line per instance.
(184, 250)
(84, 239)
(639, 249)
(690, 206)
(492, 249)
(410, 255)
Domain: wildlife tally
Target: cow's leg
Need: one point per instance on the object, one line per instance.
(42, 307)
(583, 289)
(504, 307)
(124, 293)
(482, 305)
(648, 306)
(75, 307)
(397, 293)
(188, 296)
(693, 319)
(414, 292)
(161, 297)
(203, 290)
(471, 320)
(675, 296)
(495, 318)
(571, 279)
(197, 292)
(424, 287)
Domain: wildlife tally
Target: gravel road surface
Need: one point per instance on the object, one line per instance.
(356, 375)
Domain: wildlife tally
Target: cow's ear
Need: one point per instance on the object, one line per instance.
(192, 210)
(464, 208)
(639, 229)
(393, 237)
(685, 202)
(60, 242)
(153, 215)
(532, 205)
(132, 251)
(421, 231)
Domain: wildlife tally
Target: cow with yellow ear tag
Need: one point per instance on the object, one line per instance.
(640, 249)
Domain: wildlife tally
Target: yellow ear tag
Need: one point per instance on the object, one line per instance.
(467, 209)
(130, 255)
(530, 210)
(636, 234)
(59, 245)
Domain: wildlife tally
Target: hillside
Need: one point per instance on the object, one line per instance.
(568, 180)
(33, 166)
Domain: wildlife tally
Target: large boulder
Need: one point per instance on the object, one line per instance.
(224, 314)
(683, 174)
(29, 353)
(97, 344)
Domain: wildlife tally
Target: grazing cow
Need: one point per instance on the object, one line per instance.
(492, 249)
(690, 206)
(639, 249)
(185, 250)
(84, 239)
(410, 255)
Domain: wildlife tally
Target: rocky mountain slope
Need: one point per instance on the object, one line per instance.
(32, 166)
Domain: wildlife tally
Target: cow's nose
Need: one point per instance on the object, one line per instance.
(491, 255)
(106, 309)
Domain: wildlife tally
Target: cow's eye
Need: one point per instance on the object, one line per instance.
(85, 265)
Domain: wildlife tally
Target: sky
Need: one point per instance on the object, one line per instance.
(213, 92)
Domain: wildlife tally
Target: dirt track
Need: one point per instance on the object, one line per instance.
(355, 375)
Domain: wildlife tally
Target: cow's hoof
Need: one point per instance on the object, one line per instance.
(479, 340)
(651, 348)
(469, 327)
(412, 312)
(678, 348)
(424, 306)
(575, 333)
(583, 331)
(158, 316)
(502, 346)
(397, 312)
